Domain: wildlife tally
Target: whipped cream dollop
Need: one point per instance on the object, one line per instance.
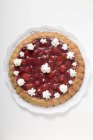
(63, 88)
(43, 40)
(46, 94)
(70, 55)
(74, 64)
(20, 82)
(21, 54)
(55, 42)
(16, 73)
(31, 92)
(64, 47)
(17, 62)
(72, 73)
(70, 82)
(45, 68)
(56, 95)
(30, 46)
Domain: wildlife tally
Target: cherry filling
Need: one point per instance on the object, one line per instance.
(30, 69)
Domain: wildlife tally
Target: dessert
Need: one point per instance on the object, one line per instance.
(46, 69)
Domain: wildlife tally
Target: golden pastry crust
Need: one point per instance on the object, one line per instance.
(72, 89)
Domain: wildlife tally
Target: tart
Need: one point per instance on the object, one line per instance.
(46, 69)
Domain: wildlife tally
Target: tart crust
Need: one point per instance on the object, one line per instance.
(72, 89)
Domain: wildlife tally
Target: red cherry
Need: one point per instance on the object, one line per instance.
(67, 74)
(56, 78)
(27, 69)
(56, 50)
(59, 63)
(37, 83)
(68, 63)
(27, 53)
(52, 58)
(23, 49)
(64, 55)
(47, 52)
(31, 67)
(24, 63)
(60, 58)
(52, 80)
(65, 81)
(45, 44)
(28, 86)
(44, 80)
(28, 60)
(41, 51)
(52, 74)
(26, 76)
(45, 87)
(31, 61)
(36, 75)
(54, 85)
(51, 65)
(51, 92)
(63, 68)
(61, 78)
(36, 52)
(21, 70)
(39, 90)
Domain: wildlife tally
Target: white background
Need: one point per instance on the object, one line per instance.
(15, 17)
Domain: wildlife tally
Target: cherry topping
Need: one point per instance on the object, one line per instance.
(26, 76)
(37, 83)
(59, 63)
(68, 63)
(31, 61)
(27, 53)
(39, 90)
(52, 74)
(24, 62)
(61, 78)
(28, 86)
(27, 69)
(63, 68)
(51, 92)
(45, 86)
(55, 85)
(30, 69)
(60, 58)
(56, 51)
(23, 49)
(52, 58)
(44, 80)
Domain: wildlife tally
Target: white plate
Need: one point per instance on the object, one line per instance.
(60, 108)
